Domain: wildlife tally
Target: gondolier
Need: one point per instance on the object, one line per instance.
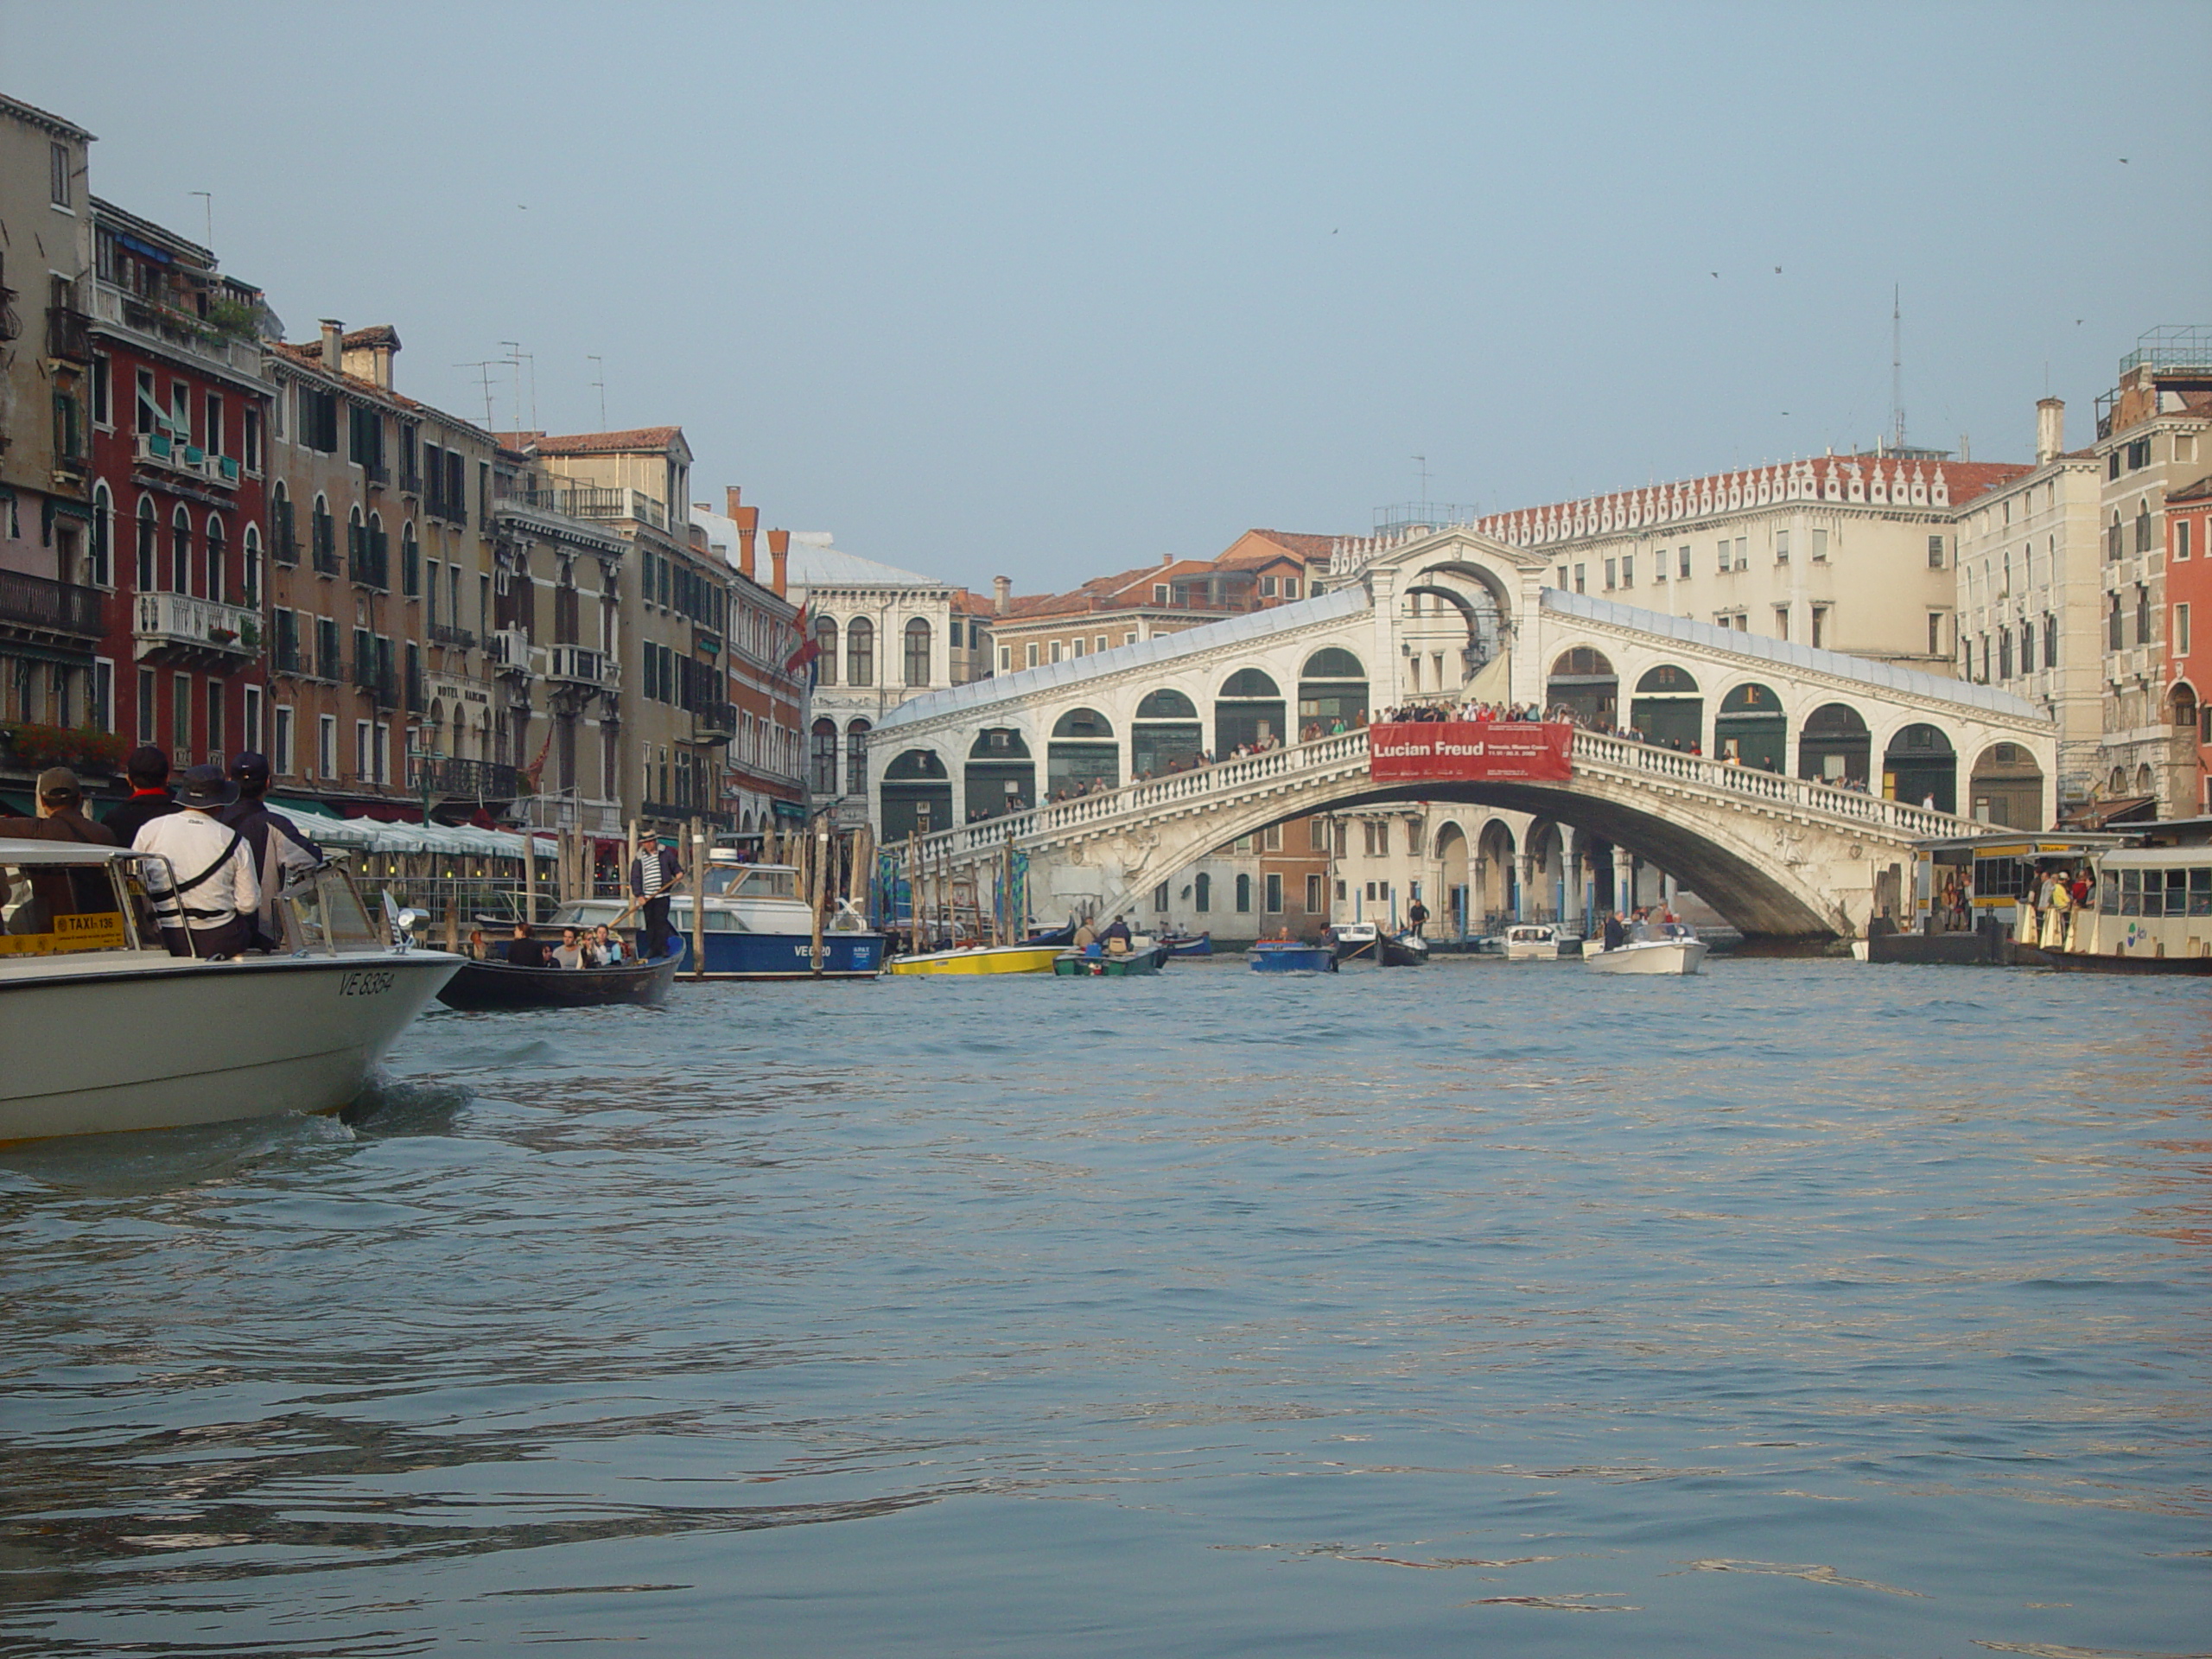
(651, 874)
(207, 898)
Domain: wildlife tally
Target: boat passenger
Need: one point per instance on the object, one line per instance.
(1085, 936)
(609, 948)
(523, 951)
(1616, 935)
(59, 890)
(206, 898)
(1116, 936)
(148, 769)
(573, 952)
(280, 850)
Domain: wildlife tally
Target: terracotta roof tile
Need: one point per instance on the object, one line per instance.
(603, 443)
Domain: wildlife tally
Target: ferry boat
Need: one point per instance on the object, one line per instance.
(1539, 941)
(2150, 912)
(104, 1031)
(1651, 948)
(757, 926)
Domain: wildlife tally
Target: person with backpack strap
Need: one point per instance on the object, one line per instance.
(206, 899)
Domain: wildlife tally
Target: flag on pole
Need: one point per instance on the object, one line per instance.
(809, 648)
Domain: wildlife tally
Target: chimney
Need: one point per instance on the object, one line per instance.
(334, 345)
(1001, 595)
(735, 496)
(748, 526)
(2051, 431)
(779, 553)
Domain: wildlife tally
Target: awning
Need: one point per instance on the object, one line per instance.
(2095, 814)
(315, 809)
(789, 809)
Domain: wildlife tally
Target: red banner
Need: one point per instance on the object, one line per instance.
(1470, 751)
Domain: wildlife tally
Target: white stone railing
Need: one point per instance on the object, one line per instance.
(1594, 754)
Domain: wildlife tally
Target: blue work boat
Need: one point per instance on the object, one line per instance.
(1290, 956)
(756, 926)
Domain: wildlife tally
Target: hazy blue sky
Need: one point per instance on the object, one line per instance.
(1050, 290)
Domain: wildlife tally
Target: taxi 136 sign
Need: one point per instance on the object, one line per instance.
(1446, 751)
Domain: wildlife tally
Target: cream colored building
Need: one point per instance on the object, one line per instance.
(2030, 597)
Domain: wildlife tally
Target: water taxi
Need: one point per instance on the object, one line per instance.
(757, 926)
(1651, 948)
(104, 1031)
(1539, 941)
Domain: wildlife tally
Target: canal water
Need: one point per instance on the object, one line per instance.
(1800, 1308)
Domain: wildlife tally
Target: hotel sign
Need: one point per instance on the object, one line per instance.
(1470, 751)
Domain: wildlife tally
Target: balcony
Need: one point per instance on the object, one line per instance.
(617, 503)
(443, 633)
(176, 627)
(714, 723)
(509, 650)
(326, 552)
(578, 666)
(411, 482)
(68, 334)
(472, 780)
(111, 306)
(376, 681)
(677, 812)
(367, 565)
(34, 602)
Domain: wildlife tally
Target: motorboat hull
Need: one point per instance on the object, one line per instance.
(788, 956)
(103, 1045)
(1651, 957)
(1544, 949)
(1201, 946)
(984, 959)
(1075, 964)
(497, 986)
(1293, 958)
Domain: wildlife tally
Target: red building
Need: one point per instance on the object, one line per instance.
(2188, 649)
(179, 419)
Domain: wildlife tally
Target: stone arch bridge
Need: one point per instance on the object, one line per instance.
(1782, 783)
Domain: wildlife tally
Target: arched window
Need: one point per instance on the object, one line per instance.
(325, 536)
(823, 775)
(180, 552)
(2143, 525)
(825, 650)
(860, 652)
(917, 652)
(218, 551)
(1202, 893)
(1244, 895)
(410, 561)
(1167, 705)
(101, 569)
(1083, 755)
(856, 757)
(249, 574)
(284, 538)
(1248, 713)
(148, 557)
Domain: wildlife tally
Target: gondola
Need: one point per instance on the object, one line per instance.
(1407, 950)
(494, 987)
(1182, 945)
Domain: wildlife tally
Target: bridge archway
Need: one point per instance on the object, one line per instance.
(1668, 709)
(1583, 680)
(1455, 890)
(1002, 774)
(1498, 882)
(1920, 766)
(2006, 787)
(1750, 727)
(1332, 692)
(1483, 599)
(917, 795)
(1247, 710)
(1166, 736)
(1082, 755)
(1835, 746)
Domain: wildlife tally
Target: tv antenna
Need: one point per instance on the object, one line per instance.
(1897, 365)
(207, 202)
(600, 363)
(515, 359)
(1421, 463)
(484, 371)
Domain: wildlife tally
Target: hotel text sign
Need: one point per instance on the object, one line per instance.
(1476, 751)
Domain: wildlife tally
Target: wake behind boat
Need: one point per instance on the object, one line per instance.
(104, 1030)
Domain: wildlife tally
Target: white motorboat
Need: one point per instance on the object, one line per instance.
(756, 926)
(1539, 941)
(1653, 948)
(104, 1030)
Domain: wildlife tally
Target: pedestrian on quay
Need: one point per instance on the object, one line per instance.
(206, 895)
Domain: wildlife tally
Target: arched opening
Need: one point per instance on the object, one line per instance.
(1751, 728)
(1919, 767)
(860, 652)
(822, 757)
(1247, 712)
(1497, 880)
(1083, 756)
(917, 794)
(1453, 887)
(1001, 774)
(219, 553)
(1835, 746)
(1166, 736)
(148, 555)
(1244, 895)
(856, 733)
(1583, 682)
(1202, 893)
(825, 650)
(1332, 693)
(181, 551)
(2185, 712)
(1448, 594)
(2007, 787)
(1668, 709)
(2146, 784)
(917, 652)
(1544, 893)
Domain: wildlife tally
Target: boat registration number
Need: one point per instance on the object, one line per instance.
(367, 983)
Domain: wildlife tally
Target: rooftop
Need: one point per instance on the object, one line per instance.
(636, 439)
(814, 562)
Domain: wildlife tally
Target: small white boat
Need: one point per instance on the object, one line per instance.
(104, 1031)
(1539, 941)
(1653, 948)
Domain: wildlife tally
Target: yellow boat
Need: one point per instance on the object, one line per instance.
(980, 959)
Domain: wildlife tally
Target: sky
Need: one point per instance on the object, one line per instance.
(1052, 290)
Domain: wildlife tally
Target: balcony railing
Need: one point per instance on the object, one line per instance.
(368, 566)
(509, 650)
(112, 305)
(618, 503)
(326, 547)
(375, 682)
(478, 780)
(442, 633)
(570, 500)
(68, 334)
(579, 665)
(177, 623)
(62, 606)
(676, 812)
(714, 723)
(284, 656)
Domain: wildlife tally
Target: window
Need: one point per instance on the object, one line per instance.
(917, 652)
(2143, 525)
(180, 721)
(1742, 552)
(1290, 587)
(1612, 574)
(1782, 621)
(1628, 570)
(181, 551)
(2114, 623)
(856, 758)
(823, 779)
(57, 175)
(1006, 659)
(212, 441)
(1935, 552)
(2049, 641)
(1266, 586)
(1314, 899)
(2181, 630)
(1782, 547)
(215, 756)
(1819, 628)
(1317, 834)
(1274, 894)
(1202, 893)
(1160, 593)
(1724, 558)
(318, 422)
(1579, 586)
(250, 438)
(410, 570)
(103, 414)
(1051, 651)
(102, 713)
(1033, 654)
(280, 743)
(217, 560)
(860, 652)
(145, 705)
(2181, 538)
(2138, 455)
(2142, 614)
(1271, 839)
(1562, 576)
(326, 749)
(1820, 547)
(1244, 895)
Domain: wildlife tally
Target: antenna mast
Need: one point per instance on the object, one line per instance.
(1897, 365)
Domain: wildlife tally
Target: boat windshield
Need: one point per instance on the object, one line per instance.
(55, 909)
(753, 881)
(327, 914)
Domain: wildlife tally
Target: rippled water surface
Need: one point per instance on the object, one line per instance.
(1801, 1308)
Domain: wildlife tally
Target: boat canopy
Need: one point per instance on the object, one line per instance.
(58, 852)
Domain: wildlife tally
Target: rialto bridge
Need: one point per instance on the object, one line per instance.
(1783, 783)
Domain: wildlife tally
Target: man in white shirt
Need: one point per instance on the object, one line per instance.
(207, 898)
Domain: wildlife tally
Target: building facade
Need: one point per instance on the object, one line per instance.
(2189, 650)
(57, 663)
(2154, 436)
(180, 411)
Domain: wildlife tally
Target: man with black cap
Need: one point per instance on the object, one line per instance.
(61, 817)
(206, 898)
(278, 847)
(148, 769)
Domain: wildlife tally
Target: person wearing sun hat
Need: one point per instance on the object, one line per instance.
(205, 898)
